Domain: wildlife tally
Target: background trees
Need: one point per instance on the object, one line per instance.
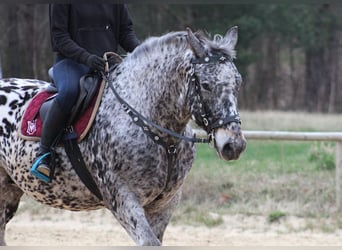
(289, 54)
(25, 42)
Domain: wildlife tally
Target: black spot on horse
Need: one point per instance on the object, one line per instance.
(115, 207)
(3, 100)
(134, 222)
(8, 89)
(14, 104)
(7, 129)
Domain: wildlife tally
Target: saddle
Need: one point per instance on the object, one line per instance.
(82, 114)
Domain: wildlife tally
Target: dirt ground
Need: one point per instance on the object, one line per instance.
(99, 228)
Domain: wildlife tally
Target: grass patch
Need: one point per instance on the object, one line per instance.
(269, 176)
(296, 178)
(322, 155)
(260, 156)
(275, 216)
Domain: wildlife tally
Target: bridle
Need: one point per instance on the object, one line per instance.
(194, 91)
(204, 115)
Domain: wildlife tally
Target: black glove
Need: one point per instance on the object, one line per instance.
(112, 60)
(95, 62)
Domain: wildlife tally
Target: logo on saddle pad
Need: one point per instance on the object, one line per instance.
(31, 127)
(32, 124)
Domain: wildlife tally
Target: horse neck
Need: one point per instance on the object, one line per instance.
(157, 88)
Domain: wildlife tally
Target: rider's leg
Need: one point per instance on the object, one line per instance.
(54, 123)
(66, 74)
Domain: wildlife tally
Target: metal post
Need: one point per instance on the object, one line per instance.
(339, 175)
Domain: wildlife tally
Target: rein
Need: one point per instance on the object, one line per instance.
(143, 122)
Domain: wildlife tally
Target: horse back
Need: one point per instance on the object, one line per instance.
(14, 97)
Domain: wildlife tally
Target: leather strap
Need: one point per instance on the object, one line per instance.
(76, 159)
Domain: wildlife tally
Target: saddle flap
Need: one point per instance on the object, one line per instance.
(88, 84)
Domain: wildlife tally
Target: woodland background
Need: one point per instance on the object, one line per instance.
(288, 54)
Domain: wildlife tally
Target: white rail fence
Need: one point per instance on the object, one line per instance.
(302, 136)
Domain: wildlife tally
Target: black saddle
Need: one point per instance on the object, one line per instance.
(88, 84)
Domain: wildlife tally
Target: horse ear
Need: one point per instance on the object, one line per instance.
(195, 44)
(231, 37)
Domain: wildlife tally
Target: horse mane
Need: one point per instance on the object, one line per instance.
(179, 38)
(158, 43)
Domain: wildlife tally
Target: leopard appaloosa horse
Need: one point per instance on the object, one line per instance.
(140, 148)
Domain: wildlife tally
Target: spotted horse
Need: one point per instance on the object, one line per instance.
(140, 147)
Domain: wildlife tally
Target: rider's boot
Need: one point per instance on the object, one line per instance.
(53, 125)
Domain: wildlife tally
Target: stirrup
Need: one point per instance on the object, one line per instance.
(38, 174)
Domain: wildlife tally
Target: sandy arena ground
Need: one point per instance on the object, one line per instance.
(99, 228)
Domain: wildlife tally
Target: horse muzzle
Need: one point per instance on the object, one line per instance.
(229, 142)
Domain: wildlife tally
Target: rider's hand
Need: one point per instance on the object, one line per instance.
(95, 62)
(112, 60)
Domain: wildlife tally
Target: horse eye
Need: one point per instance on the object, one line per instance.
(206, 86)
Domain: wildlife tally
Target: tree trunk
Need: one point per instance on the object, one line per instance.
(26, 39)
(266, 74)
(316, 80)
(12, 55)
(334, 59)
(333, 71)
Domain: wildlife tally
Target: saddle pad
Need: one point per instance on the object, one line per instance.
(31, 123)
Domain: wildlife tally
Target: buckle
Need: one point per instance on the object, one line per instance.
(172, 149)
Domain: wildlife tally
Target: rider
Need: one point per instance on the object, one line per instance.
(80, 35)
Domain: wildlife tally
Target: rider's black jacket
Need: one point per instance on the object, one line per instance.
(77, 31)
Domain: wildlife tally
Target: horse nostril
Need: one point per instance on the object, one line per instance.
(228, 151)
(232, 149)
(228, 143)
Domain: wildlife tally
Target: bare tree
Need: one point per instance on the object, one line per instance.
(25, 50)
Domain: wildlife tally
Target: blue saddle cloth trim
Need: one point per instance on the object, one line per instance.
(38, 174)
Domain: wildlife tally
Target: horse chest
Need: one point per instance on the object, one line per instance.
(165, 179)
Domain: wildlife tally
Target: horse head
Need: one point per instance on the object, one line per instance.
(213, 91)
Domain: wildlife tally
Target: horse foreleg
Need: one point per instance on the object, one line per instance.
(10, 196)
(160, 219)
(127, 210)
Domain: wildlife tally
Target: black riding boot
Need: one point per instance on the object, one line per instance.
(53, 125)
